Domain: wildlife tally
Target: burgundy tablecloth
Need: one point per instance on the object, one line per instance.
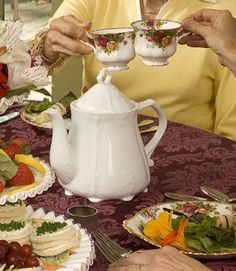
(185, 159)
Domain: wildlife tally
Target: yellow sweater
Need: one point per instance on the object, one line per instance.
(193, 89)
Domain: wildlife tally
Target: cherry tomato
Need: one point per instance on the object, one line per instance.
(15, 247)
(26, 250)
(32, 261)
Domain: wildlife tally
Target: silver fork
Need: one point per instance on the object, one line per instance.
(110, 250)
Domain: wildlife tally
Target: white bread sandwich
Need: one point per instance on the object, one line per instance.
(53, 238)
(19, 231)
(43, 116)
(13, 211)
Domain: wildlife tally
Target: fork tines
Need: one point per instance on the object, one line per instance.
(110, 250)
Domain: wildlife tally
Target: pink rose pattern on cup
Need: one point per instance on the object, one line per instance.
(111, 42)
(156, 37)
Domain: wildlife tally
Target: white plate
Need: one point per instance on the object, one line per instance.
(85, 253)
(30, 119)
(6, 103)
(135, 224)
(15, 193)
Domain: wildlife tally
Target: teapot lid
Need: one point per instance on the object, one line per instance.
(104, 97)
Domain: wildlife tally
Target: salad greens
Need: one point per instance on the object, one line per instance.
(205, 236)
(38, 107)
(46, 103)
(56, 260)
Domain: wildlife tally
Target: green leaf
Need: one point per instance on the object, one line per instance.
(19, 91)
(206, 242)
(195, 244)
(66, 100)
(176, 222)
(8, 168)
(43, 91)
(25, 148)
(57, 259)
(39, 106)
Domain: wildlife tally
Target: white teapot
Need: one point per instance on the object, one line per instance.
(103, 156)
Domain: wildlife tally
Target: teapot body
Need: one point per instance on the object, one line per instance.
(103, 157)
(109, 155)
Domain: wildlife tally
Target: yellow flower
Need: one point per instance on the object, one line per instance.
(160, 227)
(111, 45)
(166, 41)
(160, 230)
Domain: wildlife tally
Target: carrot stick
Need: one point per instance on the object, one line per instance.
(171, 236)
(182, 226)
(51, 267)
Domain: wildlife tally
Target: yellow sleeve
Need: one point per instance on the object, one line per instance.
(81, 9)
(225, 104)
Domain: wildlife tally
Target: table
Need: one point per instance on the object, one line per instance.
(185, 159)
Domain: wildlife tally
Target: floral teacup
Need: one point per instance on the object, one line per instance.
(113, 47)
(156, 40)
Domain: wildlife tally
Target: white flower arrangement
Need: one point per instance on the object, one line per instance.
(20, 72)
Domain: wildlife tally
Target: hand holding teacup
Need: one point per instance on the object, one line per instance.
(64, 38)
(155, 41)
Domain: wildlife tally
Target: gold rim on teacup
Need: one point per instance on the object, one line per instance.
(111, 30)
(156, 24)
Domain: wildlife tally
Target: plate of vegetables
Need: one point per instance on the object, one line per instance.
(42, 241)
(201, 229)
(35, 114)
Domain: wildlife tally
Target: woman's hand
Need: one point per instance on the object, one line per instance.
(163, 259)
(64, 38)
(215, 29)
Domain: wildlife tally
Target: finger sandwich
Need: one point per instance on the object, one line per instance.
(43, 116)
(12, 211)
(53, 238)
(19, 231)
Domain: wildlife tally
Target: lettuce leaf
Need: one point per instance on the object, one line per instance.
(8, 168)
(207, 237)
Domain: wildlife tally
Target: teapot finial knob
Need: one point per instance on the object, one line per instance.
(104, 73)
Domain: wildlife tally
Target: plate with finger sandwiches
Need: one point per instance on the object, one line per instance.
(34, 240)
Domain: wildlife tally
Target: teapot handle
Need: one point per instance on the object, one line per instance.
(151, 145)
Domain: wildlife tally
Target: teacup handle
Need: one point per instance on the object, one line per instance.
(90, 43)
(185, 34)
(151, 145)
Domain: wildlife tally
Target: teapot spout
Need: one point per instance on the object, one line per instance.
(61, 158)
